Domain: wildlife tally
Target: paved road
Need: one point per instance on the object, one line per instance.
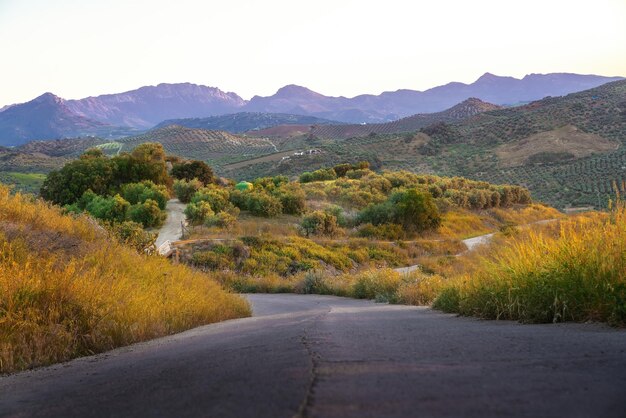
(171, 229)
(323, 356)
(472, 243)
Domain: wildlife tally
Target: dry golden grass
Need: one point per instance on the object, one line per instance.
(574, 270)
(59, 302)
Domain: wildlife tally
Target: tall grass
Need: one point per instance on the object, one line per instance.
(67, 290)
(574, 271)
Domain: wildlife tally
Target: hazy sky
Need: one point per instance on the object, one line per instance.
(78, 48)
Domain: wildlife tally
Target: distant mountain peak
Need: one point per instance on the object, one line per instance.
(48, 98)
(488, 76)
(293, 90)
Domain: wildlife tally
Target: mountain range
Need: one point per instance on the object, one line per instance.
(115, 115)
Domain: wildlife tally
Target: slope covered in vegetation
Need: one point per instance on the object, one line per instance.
(68, 288)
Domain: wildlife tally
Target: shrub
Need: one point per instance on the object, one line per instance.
(198, 213)
(222, 220)
(136, 193)
(319, 223)
(216, 196)
(292, 199)
(324, 174)
(133, 235)
(147, 213)
(260, 203)
(306, 177)
(185, 189)
(381, 285)
(111, 209)
(415, 211)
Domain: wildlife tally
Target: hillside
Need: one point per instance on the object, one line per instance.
(48, 117)
(245, 121)
(568, 150)
(463, 110)
(70, 290)
(213, 146)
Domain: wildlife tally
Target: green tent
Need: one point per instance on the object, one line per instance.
(243, 185)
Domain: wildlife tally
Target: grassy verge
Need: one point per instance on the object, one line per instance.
(574, 271)
(67, 290)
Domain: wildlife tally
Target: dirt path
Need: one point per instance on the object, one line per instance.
(324, 356)
(472, 243)
(171, 229)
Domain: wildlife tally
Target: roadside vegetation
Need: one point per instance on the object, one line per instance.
(68, 288)
(571, 271)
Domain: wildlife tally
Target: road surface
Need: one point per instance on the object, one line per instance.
(324, 356)
(171, 229)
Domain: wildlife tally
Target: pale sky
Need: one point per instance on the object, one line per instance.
(79, 48)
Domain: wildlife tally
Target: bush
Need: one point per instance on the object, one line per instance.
(292, 199)
(136, 193)
(185, 189)
(260, 203)
(111, 209)
(322, 174)
(216, 196)
(222, 220)
(381, 285)
(319, 223)
(147, 213)
(102, 175)
(132, 234)
(383, 231)
(415, 211)
(198, 213)
(306, 177)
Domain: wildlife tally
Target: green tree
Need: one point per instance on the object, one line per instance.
(195, 169)
(415, 211)
(68, 184)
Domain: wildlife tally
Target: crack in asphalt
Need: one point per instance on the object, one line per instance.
(315, 359)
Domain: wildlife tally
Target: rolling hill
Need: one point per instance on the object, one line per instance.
(569, 151)
(213, 146)
(464, 110)
(246, 121)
